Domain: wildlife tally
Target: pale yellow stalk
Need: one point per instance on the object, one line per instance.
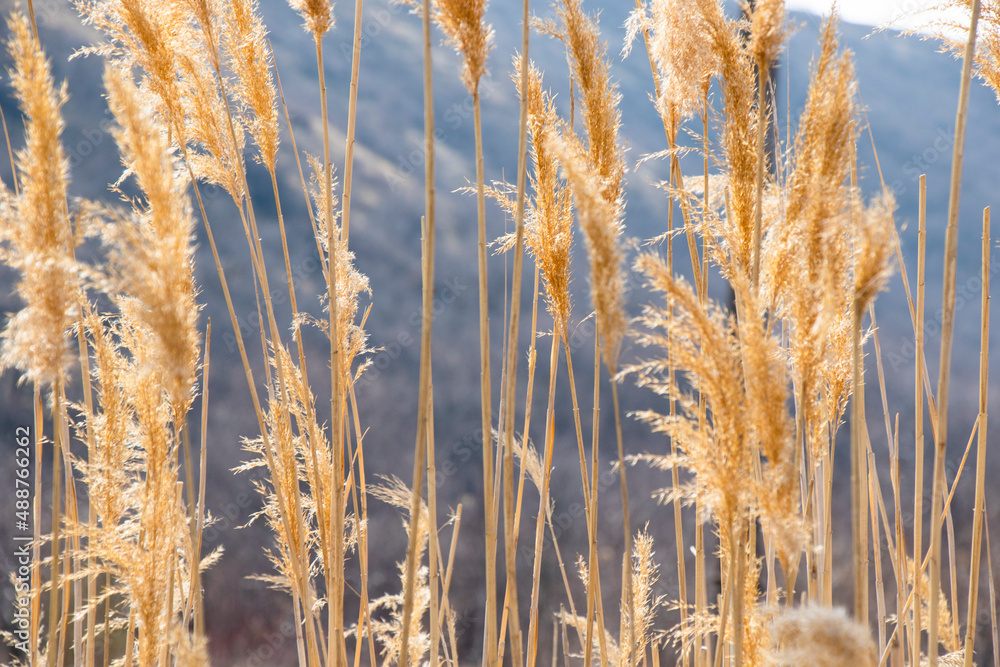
(972, 614)
(918, 420)
(947, 330)
(424, 413)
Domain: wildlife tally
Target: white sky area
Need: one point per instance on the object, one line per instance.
(902, 13)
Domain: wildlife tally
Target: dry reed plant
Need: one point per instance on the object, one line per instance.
(39, 237)
(548, 237)
(423, 460)
(739, 366)
(39, 242)
(814, 238)
(151, 258)
(146, 373)
(595, 174)
(208, 129)
(548, 232)
(750, 397)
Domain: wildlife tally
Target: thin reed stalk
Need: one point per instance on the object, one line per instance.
(335, 583)
(424, 412)
(918, 420)
(36, 543)
(54, 647)
(486, 385)
(594, 608)
(352, 114)
(196, 588)
(584, 479)
(947, 331)
(674, 474)
(859, 472)
(523, 473)
(972, 614)
(433, 547)
(543, 502)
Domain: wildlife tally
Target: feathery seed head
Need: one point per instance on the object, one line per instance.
(599, 96)
(145, 34)
(765, 374)
(820, 636)
(248, 55)
(152, 248)
(767, 31)
(988, 50)
(739, 135)
(464, 24)
(388, 631)
(950, 24)
(528, 457)
(601, 229)
(701, 343)
(36, 226)
(808, 265)
(645, 576)
(387, 621)
(173, 44)
(107, 472)
(873, 251)
(351, 283)
(205, 116)
(205, 13)
(684, 58)
(947, 630)
(549, 228)
(318, 15)
(827, 130)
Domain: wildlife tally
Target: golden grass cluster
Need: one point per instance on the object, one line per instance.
(748, 398)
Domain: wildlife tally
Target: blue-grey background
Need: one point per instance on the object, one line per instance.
(909, 92)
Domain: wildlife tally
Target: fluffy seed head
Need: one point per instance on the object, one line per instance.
(245, 44)
(699, 342)
(599, 96)
(873, 251)
(549, 228)
(820, 636)
(464, 24)
(173, 45)
(807, 263)
(35, 227)
(767, 31)
(952, 32)
(601, 229)
(765, 372)
(318, 15)
(739, 136)
(645, 576)
(145, 35)
(351, 283)
(988, 51)
(684, 59)
(152, 248)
